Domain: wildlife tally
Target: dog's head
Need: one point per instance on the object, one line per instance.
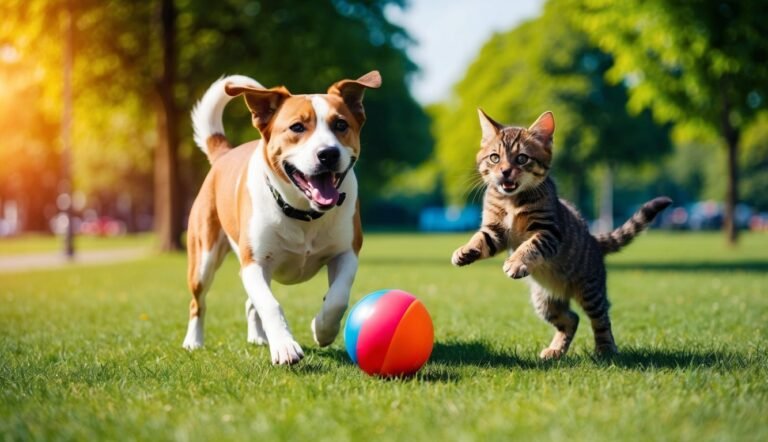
(310, 141)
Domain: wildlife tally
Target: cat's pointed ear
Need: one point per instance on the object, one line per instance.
(544, 127)
(489, 127)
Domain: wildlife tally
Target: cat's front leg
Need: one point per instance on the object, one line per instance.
(481, 245)
(540, 247)
(515, 267)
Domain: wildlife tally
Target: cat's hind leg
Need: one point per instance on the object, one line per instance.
(556, 311)
(595, 303)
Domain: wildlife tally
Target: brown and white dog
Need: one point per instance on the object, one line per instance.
(286, 204)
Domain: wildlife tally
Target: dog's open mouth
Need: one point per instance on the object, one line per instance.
(508, 186)
(319, 189)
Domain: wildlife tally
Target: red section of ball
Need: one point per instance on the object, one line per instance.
(376, 333)
(396, 338)
(411, 344)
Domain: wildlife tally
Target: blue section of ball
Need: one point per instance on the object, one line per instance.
(357, 316)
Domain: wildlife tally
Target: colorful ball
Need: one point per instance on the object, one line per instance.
(389, 333)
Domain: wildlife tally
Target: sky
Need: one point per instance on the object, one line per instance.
(449, 35)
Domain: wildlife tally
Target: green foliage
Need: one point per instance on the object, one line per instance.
(307, 46)
(304, 45)
(695, 62)
(754, 163)
(544, 64)
(104, 360)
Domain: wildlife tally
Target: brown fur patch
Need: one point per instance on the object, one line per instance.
(217, 145)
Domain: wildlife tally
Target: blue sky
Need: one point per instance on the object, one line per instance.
(449, 34)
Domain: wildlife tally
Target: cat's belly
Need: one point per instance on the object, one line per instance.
(551, 279)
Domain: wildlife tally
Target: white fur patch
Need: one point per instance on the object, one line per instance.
(194, 338)
(304, 157)
(283, 348)
(206, 115)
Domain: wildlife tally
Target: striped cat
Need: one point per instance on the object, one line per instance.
(546, 237)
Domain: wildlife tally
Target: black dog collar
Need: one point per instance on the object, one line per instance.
(306, 215)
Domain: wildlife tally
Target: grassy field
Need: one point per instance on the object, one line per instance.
(45, 243)
(94, 353)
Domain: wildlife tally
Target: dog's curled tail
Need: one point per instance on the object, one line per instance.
(207, 116)
(617, 239)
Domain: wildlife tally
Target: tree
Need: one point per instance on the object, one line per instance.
(139, 72)
(168, 217)
(697, 63)
(545, 64)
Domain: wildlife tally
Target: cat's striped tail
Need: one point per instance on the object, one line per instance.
(614, 241)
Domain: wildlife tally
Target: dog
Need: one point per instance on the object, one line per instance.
(287, 204)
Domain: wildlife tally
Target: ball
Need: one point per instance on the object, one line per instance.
(389, 333)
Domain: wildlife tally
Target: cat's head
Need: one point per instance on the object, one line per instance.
(515, 159)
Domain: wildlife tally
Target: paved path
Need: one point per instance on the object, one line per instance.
(39, 261)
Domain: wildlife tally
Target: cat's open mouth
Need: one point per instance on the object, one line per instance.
(508, 186)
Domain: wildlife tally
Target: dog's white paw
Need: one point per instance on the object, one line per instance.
(285, 351)
(194, 338)
(192, 344)
(256, 333)
(324, 334)
(257, 339)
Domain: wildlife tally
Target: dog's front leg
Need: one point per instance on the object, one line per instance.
(341, 275)
(283, 348)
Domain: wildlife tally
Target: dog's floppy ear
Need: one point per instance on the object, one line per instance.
(351, 91)
(263, 103)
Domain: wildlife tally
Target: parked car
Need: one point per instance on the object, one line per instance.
(449, 219)
(704, 215)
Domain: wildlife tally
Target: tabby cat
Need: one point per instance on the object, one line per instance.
(545, 236)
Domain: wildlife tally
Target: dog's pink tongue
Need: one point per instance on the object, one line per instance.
(323, 191)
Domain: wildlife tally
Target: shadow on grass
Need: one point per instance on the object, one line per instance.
(479, 354)
(655, 358)
(447, 358)
(750, 266)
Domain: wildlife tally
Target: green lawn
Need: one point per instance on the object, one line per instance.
(30, 244)
(94, 353)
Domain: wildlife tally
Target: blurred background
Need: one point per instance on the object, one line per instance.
(650, 97)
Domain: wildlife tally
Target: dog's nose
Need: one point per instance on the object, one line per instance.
(329, 156)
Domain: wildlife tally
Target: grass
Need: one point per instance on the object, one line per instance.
(30, 244)
(94, 353)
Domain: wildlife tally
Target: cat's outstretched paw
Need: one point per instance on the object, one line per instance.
(515, 269)
(464, 256)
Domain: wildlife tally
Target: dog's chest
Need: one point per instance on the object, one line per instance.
(298, 253)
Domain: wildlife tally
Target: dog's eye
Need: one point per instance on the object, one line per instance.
(494, 158)
(521, 159)
(298, 128)
(340, 125)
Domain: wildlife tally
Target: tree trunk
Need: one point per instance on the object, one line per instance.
(606, 200)
(732, 190)
(731, 135)
(168, 225)
(66, 133)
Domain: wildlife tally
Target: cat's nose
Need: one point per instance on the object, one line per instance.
(506, 172)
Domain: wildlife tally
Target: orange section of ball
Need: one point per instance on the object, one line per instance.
(411, 344)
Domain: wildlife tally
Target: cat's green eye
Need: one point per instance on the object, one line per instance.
(494, 158)
(521, 159)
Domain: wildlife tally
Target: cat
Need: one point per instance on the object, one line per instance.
(546, 237)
